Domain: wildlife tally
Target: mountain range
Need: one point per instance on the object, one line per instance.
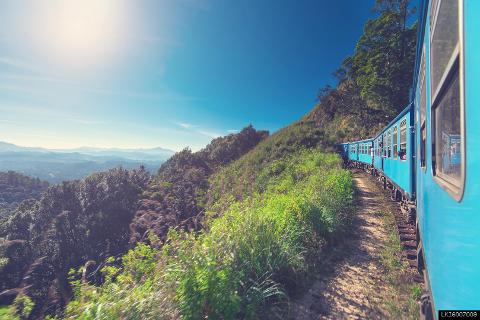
(56, 165)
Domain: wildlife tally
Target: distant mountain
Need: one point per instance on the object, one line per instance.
(68, 164)
(151, 154)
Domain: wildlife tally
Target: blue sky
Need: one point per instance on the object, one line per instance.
(145, 73)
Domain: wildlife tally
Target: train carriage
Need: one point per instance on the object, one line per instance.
(394, 154)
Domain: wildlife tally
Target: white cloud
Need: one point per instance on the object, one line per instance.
(210, 134)
(88, 122)
(185, 125)
(198, 130)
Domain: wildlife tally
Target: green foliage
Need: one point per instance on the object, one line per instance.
(8, 313)
(23, 305)
(246, 262)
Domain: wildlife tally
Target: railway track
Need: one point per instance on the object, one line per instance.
(405, 221)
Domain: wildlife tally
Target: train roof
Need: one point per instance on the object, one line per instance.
(358, 141)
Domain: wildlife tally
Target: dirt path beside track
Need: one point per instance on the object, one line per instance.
(352, 283)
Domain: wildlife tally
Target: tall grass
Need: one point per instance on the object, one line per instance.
(246, 262)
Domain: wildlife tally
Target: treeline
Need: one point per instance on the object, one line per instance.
(373, 83)
(15, 188)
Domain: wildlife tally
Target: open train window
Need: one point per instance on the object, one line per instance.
(395, 142)
(384, 145)
(403, 140)
(448, 155)
(423, 110)
(389, 144)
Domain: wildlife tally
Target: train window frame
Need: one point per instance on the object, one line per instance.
(454, 65)
(422, 146)
(384, 145)
(389, 143)
(395, 142)
(403, 142)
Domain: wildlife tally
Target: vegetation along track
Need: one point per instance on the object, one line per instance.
(368, 276)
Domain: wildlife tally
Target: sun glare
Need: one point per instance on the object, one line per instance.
(79, 33)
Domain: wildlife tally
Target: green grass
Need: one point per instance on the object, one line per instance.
(402, 299)
(252, 255)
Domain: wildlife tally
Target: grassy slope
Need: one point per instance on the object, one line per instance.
(251, 255)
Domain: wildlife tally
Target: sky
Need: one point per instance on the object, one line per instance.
(165, 73)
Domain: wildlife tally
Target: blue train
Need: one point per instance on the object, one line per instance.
(429, 155)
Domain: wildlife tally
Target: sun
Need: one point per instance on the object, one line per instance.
(79, 32)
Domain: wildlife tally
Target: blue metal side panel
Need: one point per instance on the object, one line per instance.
(450, 230)
(399, 171)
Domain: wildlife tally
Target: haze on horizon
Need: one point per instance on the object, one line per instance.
(166, 73)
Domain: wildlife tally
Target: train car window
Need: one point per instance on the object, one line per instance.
(447, 128)
(403, 140)
(384, 145)
(395, 142)
(448, 151)
(389, 144)
(423, 110)
(444, 46)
